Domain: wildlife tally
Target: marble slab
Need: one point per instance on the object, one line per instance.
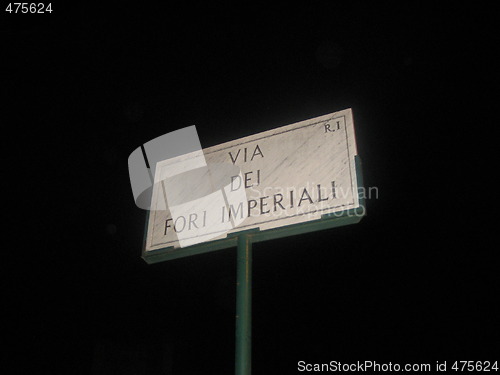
(288, 175)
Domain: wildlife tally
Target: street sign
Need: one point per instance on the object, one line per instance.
(292, 179)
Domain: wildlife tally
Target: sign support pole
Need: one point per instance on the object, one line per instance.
(244, 305)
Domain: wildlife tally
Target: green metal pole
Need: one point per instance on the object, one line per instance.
(244, 305)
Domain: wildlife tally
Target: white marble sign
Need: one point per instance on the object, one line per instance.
(288, 175)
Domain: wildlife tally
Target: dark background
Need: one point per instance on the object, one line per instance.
(416, 280)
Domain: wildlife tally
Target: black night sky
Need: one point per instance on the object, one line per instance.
(415, 281)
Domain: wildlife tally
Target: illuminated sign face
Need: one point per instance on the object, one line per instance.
(288, 175)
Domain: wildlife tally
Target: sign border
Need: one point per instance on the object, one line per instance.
(248, 139)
